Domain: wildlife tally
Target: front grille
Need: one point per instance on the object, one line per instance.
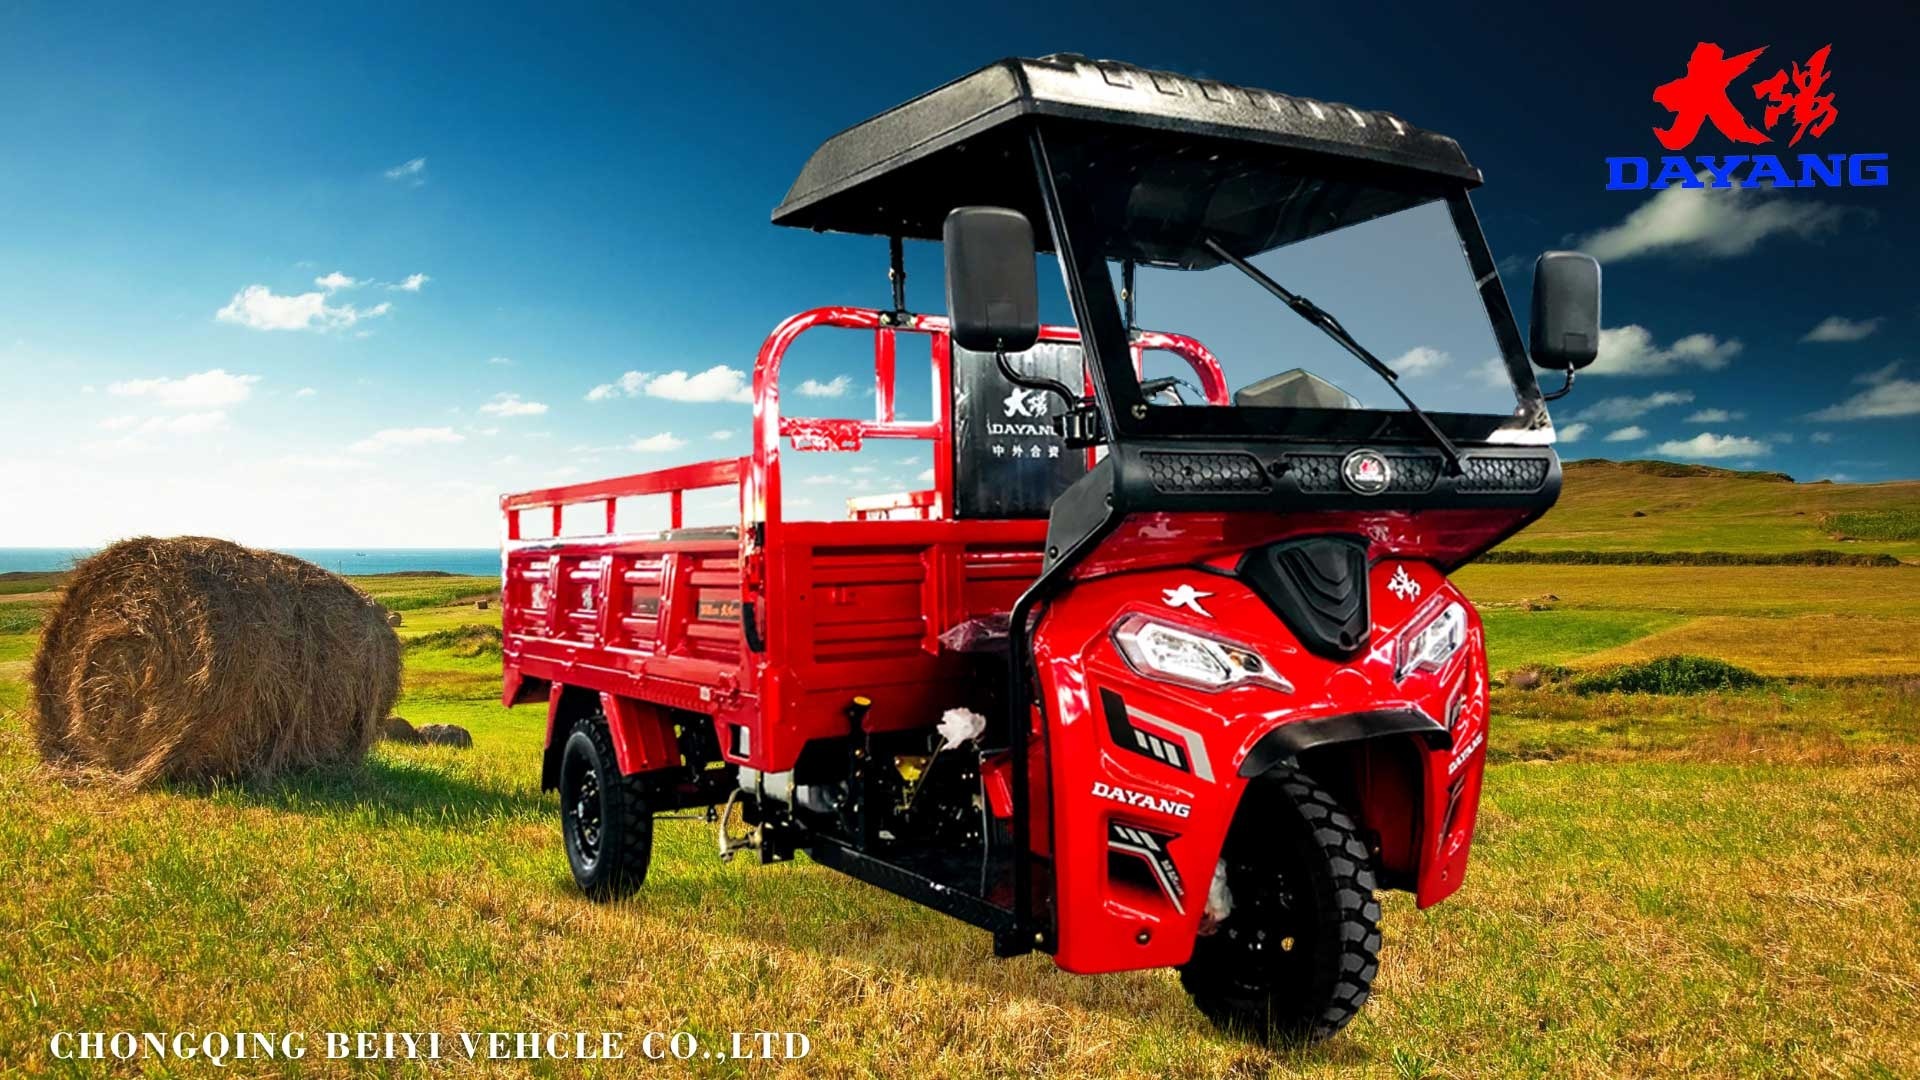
(1194, 473)
(1502, 474)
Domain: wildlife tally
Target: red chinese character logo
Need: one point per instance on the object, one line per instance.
(1812, 111)
(1701, 95)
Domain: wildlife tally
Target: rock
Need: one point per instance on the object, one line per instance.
(396, 729)
(393, 618)
(445, 735)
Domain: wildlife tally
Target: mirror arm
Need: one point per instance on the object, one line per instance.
(1033, 382)
(1563, 391)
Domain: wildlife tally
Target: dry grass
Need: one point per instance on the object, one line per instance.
(1796, 645)
(196, 659)
(1714, 885)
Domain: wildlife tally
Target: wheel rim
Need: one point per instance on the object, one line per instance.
(1267, 931)
(583, 814)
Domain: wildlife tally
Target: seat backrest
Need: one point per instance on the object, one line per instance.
(1008, 462)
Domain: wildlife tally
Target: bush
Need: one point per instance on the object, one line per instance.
(466, 641)
(20, 618)
(1669, 675)
(1820, 557)
(1534, 676)
(1874, 524)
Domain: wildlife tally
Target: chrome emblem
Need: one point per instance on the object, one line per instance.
(1366, 472)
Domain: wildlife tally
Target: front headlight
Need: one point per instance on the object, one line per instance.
(1160, 651)
(1427, 647)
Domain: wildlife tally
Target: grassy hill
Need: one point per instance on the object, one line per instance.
(1663, 506)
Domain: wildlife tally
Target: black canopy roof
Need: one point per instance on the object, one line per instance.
(900, 172)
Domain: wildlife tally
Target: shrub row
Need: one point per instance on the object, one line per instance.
(460, 641)
(1691, 558)
(1661, 675)
(1873, 524)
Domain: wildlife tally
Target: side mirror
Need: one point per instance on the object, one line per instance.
(1565, 332)
(992, 298)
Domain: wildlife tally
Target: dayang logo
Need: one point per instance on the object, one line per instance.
(1023, 404)
(1795, 102)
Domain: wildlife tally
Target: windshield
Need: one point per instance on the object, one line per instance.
(1398, 283)
(1390, 258)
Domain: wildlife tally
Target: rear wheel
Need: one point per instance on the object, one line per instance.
(604, 816)
(1296, 955)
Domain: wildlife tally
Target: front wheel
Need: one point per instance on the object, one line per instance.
(604, 816)
(1295, 956)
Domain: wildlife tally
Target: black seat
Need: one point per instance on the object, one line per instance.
(1007, 460)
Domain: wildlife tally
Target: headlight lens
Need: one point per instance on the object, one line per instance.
(1430, 645)
(1178, 655)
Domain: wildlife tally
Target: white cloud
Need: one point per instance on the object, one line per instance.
(335, 281)
(1710, 446)
(632, 384)
(1632, 408)
(414, 283)
(512, 405)
(1493, 372)
(1878, 375)
(654, 444)
(501, 361)
(1821, 437)
(323, 462)
(835, 387)
(1570, 432)
(208, 390)
(1630, 350)
(193, 423)
(258, 307)
(1422, 359)
(412, 172)
(1713, 223)
(717, 383)
(1715, 416)
(926, 476)
(395, 438)
(305, 391)
(722, 435)
(1888, 397)
(1627, 434)
(1841, 328)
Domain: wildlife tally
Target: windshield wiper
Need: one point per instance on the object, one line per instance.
(1331, 327)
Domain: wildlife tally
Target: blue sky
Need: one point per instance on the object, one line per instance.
(531, 204)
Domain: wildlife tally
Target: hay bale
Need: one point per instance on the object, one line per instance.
(446, 735)
(396, 729)
(393, 618)
(479, 605)
(196, 659)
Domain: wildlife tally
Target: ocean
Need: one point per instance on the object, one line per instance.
(478, 561)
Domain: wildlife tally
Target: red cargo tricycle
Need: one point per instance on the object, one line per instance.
(1163, 669)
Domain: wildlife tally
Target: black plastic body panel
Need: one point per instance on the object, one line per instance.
(1288, 740)
(1008, 461)
(1318, 587)
(894, 174)
(1305, 476)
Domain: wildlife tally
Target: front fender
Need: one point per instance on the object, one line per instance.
(1145, 776)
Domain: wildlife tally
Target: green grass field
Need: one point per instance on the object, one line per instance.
(1700, 508)
(1712, 884)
